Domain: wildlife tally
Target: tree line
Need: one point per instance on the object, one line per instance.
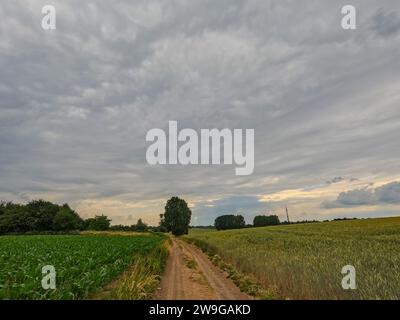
(43, 216)
(39, 216)
(227, 222)
(231, 221)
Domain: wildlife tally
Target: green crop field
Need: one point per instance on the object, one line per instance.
(83, 265)
(305, 261)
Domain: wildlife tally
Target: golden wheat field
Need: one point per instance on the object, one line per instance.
(305, 261)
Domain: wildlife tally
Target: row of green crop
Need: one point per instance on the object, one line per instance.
(83, 264)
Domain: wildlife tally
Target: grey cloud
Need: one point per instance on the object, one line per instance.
(356, 197)
(76, 103)
(389, 193)
(386, 194)
(335, 180)
(386, 24)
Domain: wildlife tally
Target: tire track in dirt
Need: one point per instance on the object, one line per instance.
(190, 275)
(224, 288)
(175, 291)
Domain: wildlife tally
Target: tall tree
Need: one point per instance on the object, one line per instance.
(176, 218)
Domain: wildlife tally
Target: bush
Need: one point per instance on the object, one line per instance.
(262, 221)
(66, 219)
(229, 222)
(98, 223)
(140, 226)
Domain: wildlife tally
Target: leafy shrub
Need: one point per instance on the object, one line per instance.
(229, 222)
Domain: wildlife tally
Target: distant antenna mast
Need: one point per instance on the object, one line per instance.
(287, 215)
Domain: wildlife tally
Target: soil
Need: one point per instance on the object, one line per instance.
(190, 275)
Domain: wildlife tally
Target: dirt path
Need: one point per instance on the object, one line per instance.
(190, 275)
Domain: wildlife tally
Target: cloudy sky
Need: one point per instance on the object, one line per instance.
(76, 104)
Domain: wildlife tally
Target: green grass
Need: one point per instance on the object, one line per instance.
(140, 280)
(305, 261)
(83, 263)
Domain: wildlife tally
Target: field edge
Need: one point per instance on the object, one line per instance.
(140, 280)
